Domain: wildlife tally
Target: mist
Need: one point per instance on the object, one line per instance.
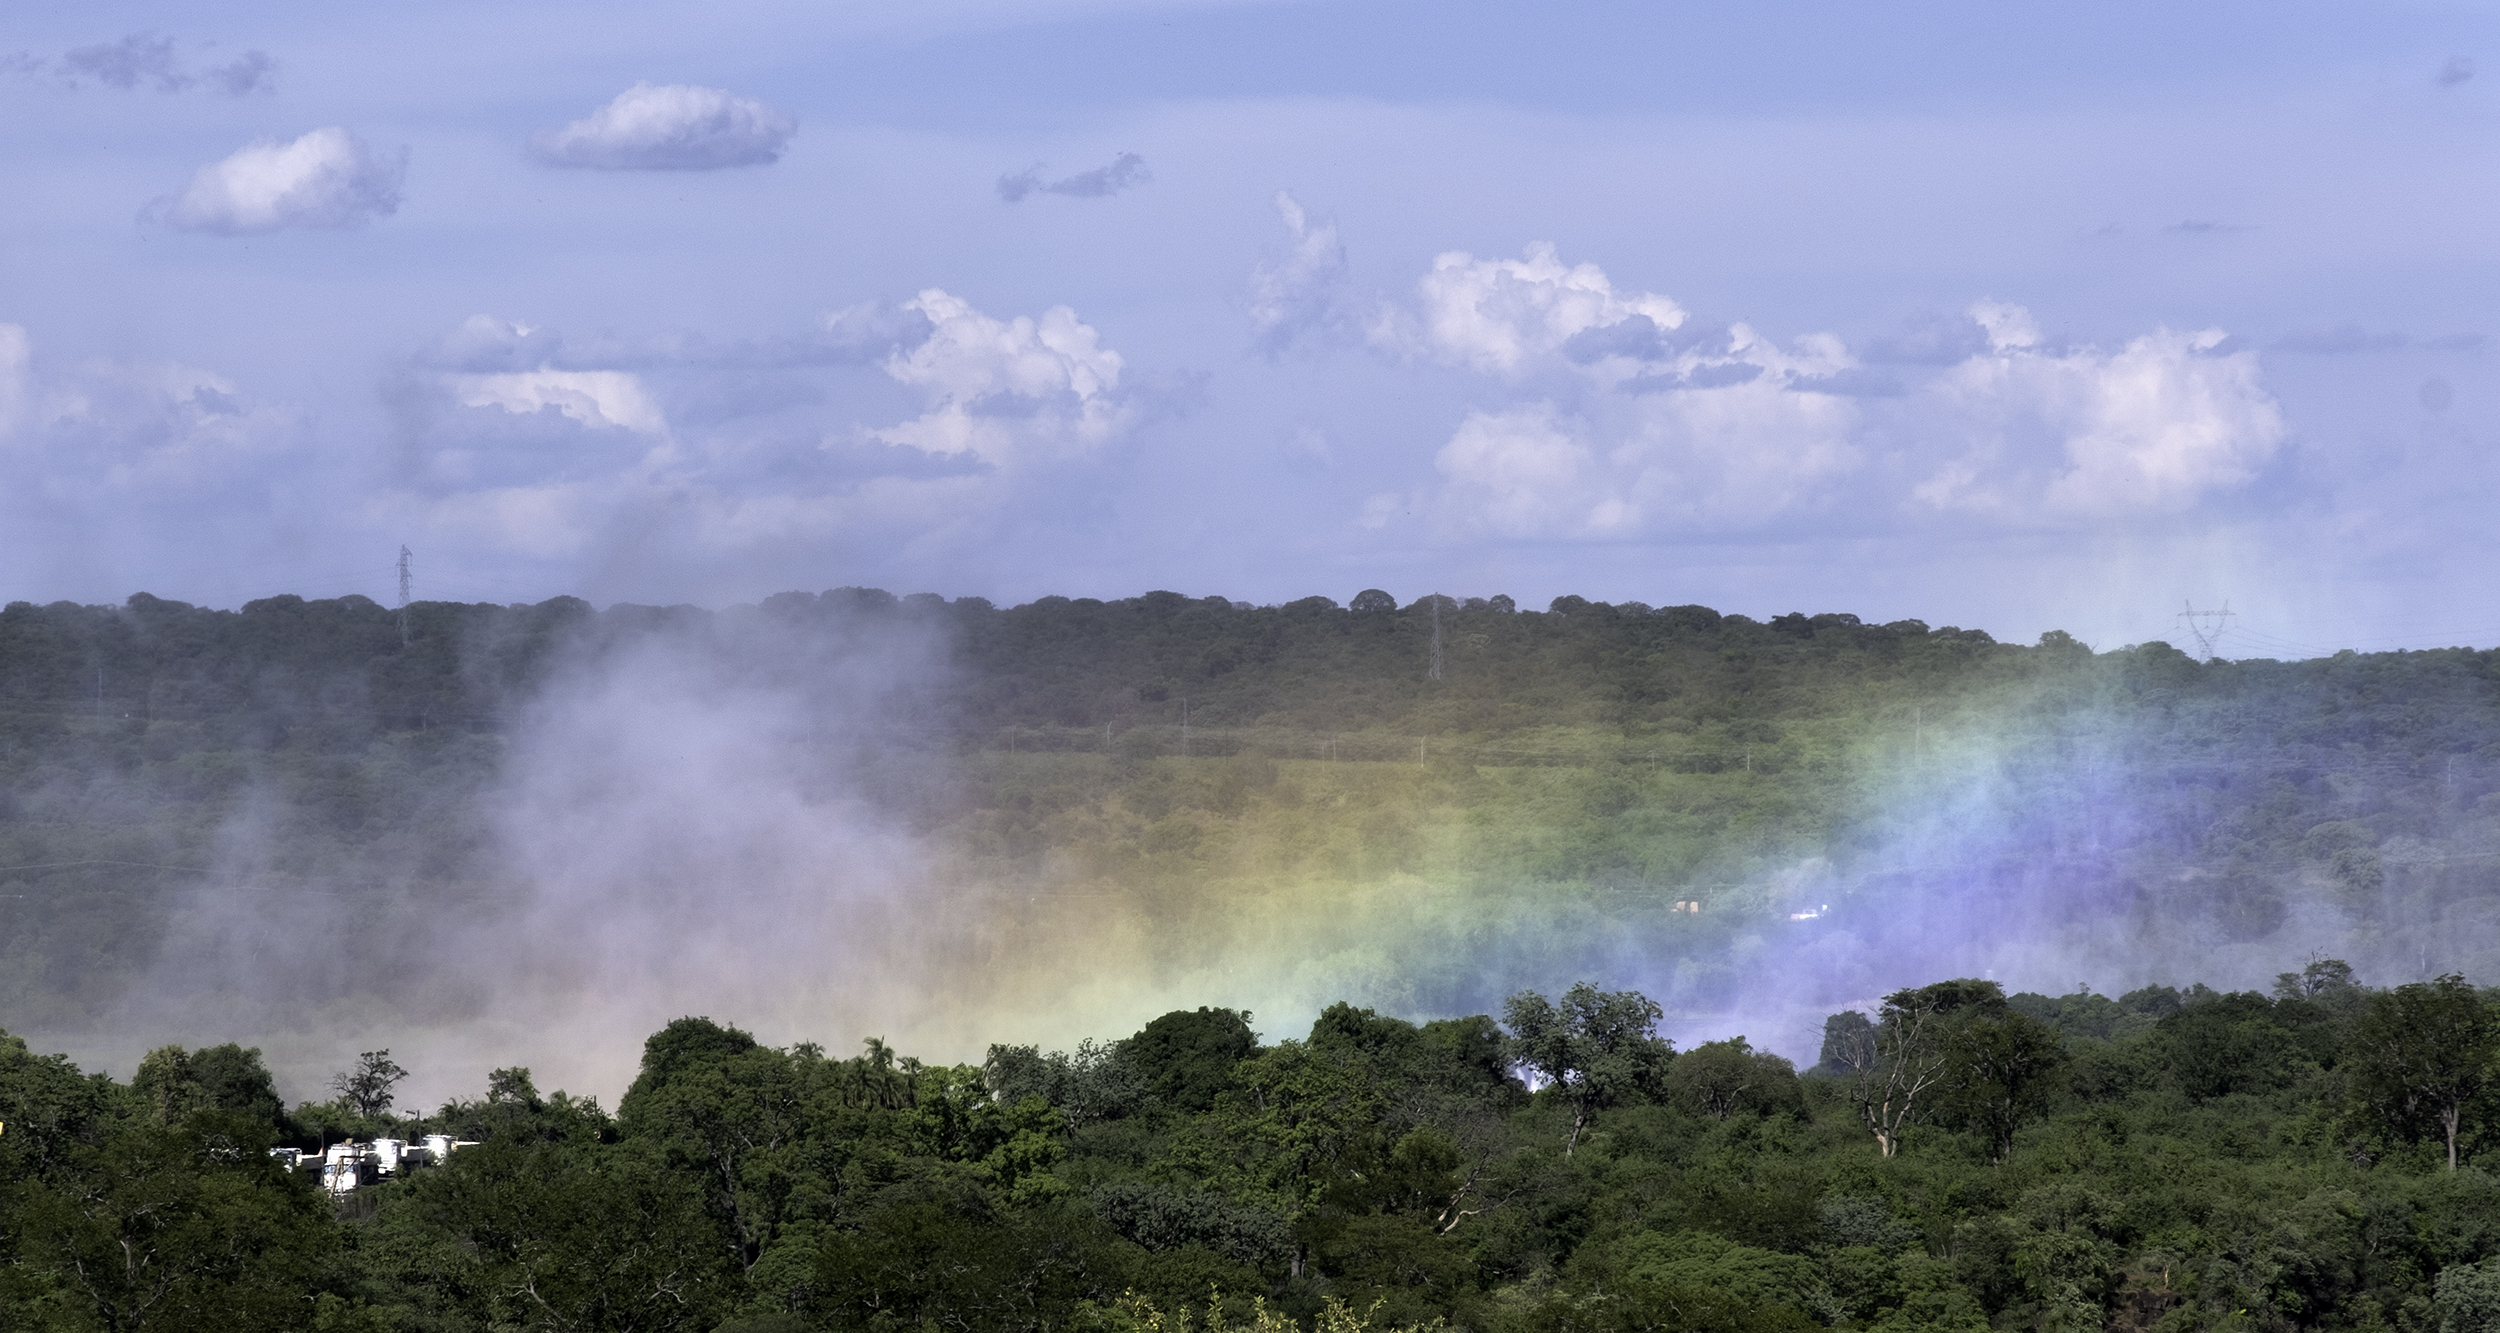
(830, 818)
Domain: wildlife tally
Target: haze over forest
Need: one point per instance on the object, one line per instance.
(484, 835)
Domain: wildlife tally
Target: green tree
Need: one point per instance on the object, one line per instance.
(734, 1118)
(1186, 1058)
(1721, 1078)
(172, 1084)
(366, 1090)
(2420, 1055)
(1595, 1049)
(1998, 1069)
(182, 1227)
(48, 1110)
(564, 1236)
(1898, 1062)
(2467, 1297)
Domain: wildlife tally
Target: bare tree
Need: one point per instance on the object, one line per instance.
(1897, 1061)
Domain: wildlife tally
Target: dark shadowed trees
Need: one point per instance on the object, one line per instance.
(367, 1090)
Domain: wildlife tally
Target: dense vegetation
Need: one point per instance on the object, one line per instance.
(1472, 798)
(1424, 808)
(2312, 1158)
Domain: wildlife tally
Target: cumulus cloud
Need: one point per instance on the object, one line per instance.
(1302, 296)
(327, 178)
(670, 127)
(1005, 389)
(1522, 474)
(2153, 427)
(1493, 314)
(515, 438)
(1690, 461)
(146, 59)
(1125, 171)
(599, 399)
(1629, 418)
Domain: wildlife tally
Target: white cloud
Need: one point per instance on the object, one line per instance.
(1302, 295)
(2154, 427)
(1002, 405)
(2010, 327)
(1670, 426)
(1678, 462)
(670, 127)
(1492, 314)
(1007, 388)
(327, 178)
(599, 399)
(16, 356)
(1518, 474)
(1630, 420)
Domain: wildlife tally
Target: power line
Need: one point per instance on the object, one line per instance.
(2207, 626)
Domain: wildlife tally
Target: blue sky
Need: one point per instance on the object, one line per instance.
(1988, 314)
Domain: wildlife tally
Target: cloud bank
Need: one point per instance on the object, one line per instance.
(328, 178)
(670, 127)
(1616, 415)
(514, 438)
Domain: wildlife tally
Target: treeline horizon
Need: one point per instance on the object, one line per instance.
(2313, 1156)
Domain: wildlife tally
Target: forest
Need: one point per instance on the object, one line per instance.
(1477, 798)
(2308, 1157)
(1477, 863)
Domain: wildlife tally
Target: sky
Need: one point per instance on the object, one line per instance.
(2015, 317)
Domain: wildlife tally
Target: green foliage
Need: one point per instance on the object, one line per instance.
(1723, 1078)
(2468, 1298)
(174, 1084)
(188, 1226)
(2422, 1054)
(2161, 1159)
(1594, 1049)
(1186, 1059)
(2217, 1160)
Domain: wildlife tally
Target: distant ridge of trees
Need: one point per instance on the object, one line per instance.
(1586, 765)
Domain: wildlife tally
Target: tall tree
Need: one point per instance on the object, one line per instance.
(1897, 1063)
(1997, 1072)
(1595, 1048)
(2420, 1054)
(366, 1090)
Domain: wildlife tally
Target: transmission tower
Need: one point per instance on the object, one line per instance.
(1435, 673)
(2207, 626)
(403, 596)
